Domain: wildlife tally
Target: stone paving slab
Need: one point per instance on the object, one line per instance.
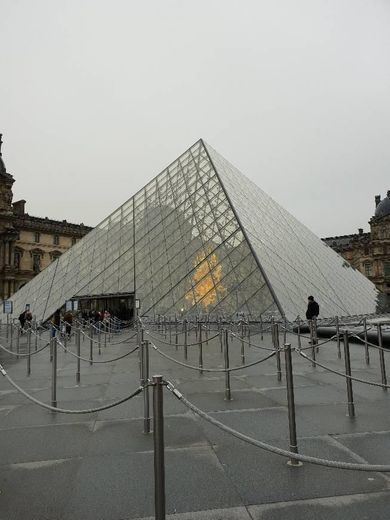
(268, 423)
(42, 443)
(263, 477)
(235, 513)
(36, 490)
(325, 394)
(372, 506)
(100, 465)
(127, 436)
(241, 399)
(121, 486)
(372, 447)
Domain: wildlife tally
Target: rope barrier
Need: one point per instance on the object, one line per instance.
(316, 345)
(371, 344)
(274, 449)
(111, 344)
(180, 344)
(249, 343)
(96, 361)
(32, 353)
(342, 374)
(64, 410)
(223, 370)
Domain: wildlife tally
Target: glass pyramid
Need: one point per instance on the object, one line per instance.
(201, 238)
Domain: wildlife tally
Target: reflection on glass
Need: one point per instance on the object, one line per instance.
(207, 274)
(178, 244)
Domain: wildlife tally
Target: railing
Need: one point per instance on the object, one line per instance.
(184, 336)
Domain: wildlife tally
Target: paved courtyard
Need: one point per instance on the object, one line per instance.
(99, 466)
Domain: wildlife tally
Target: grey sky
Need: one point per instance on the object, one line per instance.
(97, 97)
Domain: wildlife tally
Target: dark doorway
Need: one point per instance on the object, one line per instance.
(120, 305)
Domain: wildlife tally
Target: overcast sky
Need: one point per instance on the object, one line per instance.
(97, 97)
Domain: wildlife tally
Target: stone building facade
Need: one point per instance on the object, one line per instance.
(28, 244)
(369, 252)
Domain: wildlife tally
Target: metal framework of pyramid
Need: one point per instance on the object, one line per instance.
(201, 238)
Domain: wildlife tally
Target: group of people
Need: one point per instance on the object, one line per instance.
(25, 320)
(99, 318)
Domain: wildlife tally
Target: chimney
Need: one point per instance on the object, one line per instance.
(360, 231)
(19, 207)
(377, 200)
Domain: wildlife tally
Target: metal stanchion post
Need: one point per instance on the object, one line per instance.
(29, 352)
(242, 344)
(91, 345)
(100, 342)
(299, 332)
(347, 360)
(170, 330)
(52, 334)
(145, 384)
(12, 335)
(366, 349)
(291, 405)
(7, 328)
(78, 349)
(200, 348)
(17, 341)
(338, 337)
(36, 339)
(228, 393)
(284, 331)
(275, 338)
(159, 456)
(315, 335)
(54, 373)
(185, 339)
(65, 336)
(312, 343)
(382, 357)
(261, 328)
(176, 334)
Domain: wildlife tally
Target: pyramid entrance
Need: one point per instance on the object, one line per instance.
(202, 239)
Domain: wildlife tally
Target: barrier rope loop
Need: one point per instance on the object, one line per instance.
(32, 353)
(341, 374)
(64, 410)
(203, 369)
(274, 449)
(96, 361)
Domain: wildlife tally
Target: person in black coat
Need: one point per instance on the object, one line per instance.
(313, 309)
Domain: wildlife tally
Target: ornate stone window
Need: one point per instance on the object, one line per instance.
(386, 269)
(367, 268)
(36, 255)
(56, 240)
(54, 255)
(18, 253)
(37, 237)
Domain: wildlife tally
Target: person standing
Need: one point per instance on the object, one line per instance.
(22, 320)
(56, 323)
(313, 309)
(68, 319)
